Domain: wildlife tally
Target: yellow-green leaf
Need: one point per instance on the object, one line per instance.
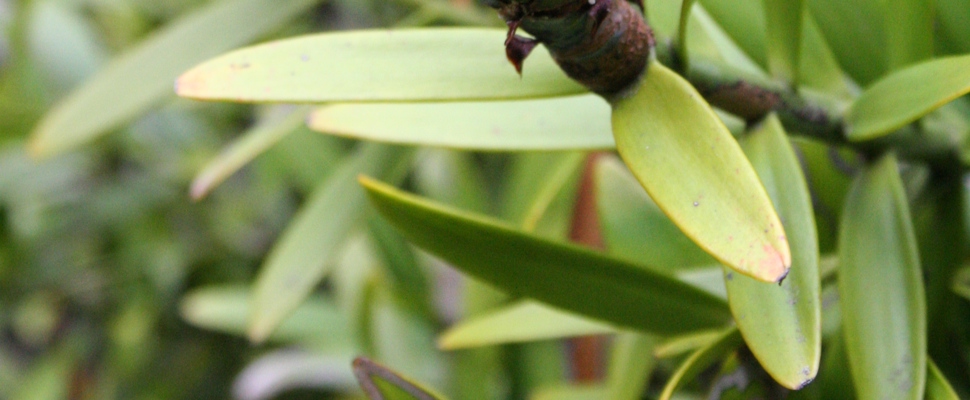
(520, 322)
(631, 365)
(909, 33)
(703, 358)
(881, 287)
(575, 122)
(697, 174)
(784, 37)
(380, 383)
(937, 386)
(782, 323)
(560, 274)
(143, 76)
(379, 65)
(906, 95)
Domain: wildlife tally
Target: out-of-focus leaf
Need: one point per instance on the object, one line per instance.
(881, 287)
(381, 383)
(634, 227)
(251, 144)
(954, 23)
(538, 187)
(685, 13)
(421, 64)
(575, 122)
(572, 392)
(818, 67)
(701, 360)
(745, 22)
(49, 376)
(846, 24)
(906, 95)
(783, 20)
(560, 274)
(694, 169)
(227, 308)
(272, 374)
(961, 283)
(631, 364)
(937, 386)
(686, 343)
(143, 76)
(407, 276)
(520, 322)
(909, 31)
(782, 323)
(301, 257)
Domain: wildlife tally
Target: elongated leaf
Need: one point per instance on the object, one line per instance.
(846, 24)
(694, 169)
(143, 76)
(937, 386)
(572, 392)
(252, 143)
(881, 288)
(683, 344)
(562, 275)
(909, 33)
(685, 13)
(380, 383)
(907, 95)
(303, 254)
(782, 323)
(954, 23)
(700, 360)
(745, 22)
(635, 228)
(631, 364)
(961, 283)
(421, 64)
(818, 67)
(575, 122)
(783, 20)
(520, 322)
(540, 188)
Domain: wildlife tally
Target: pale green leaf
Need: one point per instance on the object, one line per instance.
(143, 76)
(540, 189)
(905, 96)
(305, 251)
(782, 323)
(571, 392)
(380, 383)
(575, 122)
(881, 288)
(783, 20)
(631, 364)
(694, 169)
(703, 358)
(251, 144)
(680, 345)
(519, 322)
(560, 274)
(379, 65)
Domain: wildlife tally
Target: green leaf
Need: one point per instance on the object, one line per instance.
(703, 358)
(881, 287)
(143, 76)
(575, 122)
(380, 65)
(682, 344)
(563, 275)
(685, 14)
(694, 169)
(251, 144)
(226, 309)
(818, 67)
(961, 282)
(782, 323)
(631, 365)
(407, 276)
(846, 24)
(302, 256)
(954, 23)
(571, 392)
(937, 386)
(909, 31)
(745, 22)
(380, 383)
(519, 322)
(906, 95)
(634, 227)
(784, 35)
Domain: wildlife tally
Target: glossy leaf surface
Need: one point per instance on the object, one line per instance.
(560, 274)
(782, 323)
(519, 322)
(379, 65)
(380, 383)
(574, 122)
(881, 288)
(143, 76)
(694, 169)
(305, 251)
(905, 96)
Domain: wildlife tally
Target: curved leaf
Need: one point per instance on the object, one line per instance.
(937, 387)
(881, 288)
(783, 20)
(846, 24)
(631, 364)
(380, 383)
(906, 95)
(303, 254)
(562, 275)
(380, 65)
(575, 122)
(700, 360)
(782, 323)
(694, 169)
(143, 76)
(521, 322)
(680, 345)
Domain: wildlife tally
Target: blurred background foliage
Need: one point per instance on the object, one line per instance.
(114, 283)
